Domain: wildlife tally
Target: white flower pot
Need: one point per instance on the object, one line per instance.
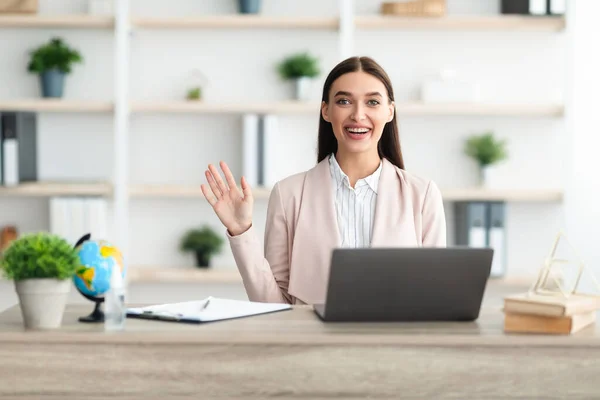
(302, 88)
(43, 302)
(484, 176)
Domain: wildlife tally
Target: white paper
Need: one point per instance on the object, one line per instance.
(217, 309)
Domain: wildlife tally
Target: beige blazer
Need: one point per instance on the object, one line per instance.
(301, 231)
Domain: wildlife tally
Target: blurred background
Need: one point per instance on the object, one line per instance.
(495, 102)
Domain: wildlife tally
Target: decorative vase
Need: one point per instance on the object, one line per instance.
(52, 82)
(249, 6)
(202, 259)
(484, 176)
(42, 302)
(302, 88)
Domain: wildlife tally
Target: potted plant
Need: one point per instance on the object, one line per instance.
(249, 6)
(194, 93)
(486, 150)
(52, 61)
(299, 68)
(42, 266)
(204, 243)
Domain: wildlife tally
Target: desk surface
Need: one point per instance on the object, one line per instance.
(296, 326)
(294, 354)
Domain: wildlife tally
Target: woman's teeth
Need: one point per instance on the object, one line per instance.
(358, 130)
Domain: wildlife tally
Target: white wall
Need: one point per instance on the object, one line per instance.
(510, 67)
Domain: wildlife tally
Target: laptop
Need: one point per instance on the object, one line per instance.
(406, 284)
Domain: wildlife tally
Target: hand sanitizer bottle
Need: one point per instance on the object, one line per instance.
(115, 311)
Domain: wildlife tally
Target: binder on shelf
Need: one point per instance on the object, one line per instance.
(524, 7)
(18, 148)
(471, 224)
(72, 217)
(557, 7)
(497, 238)
(482, 224)
(269, 138)
(250, 154)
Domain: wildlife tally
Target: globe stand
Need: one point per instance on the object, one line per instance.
(96, 316)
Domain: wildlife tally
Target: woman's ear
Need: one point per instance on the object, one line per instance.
(325, 111)
(391, 114)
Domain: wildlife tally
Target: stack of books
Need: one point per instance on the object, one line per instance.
(549, 313)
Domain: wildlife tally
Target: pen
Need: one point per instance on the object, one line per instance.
(205, 305)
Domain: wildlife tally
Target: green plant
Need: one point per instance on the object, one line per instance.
(298, 66)
(485, 149)
(204, 240)
(194, 93)
(39, 255)
(55, 54)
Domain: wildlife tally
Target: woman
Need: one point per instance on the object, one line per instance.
(358, 195)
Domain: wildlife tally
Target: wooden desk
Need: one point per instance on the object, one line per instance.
(292, 353)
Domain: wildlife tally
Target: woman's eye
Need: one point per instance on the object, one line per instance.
(373, 102)
(342, 101)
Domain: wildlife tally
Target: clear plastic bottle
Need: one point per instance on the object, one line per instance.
(115, 311)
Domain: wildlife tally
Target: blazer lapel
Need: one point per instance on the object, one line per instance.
(393, 223)
(316, 235)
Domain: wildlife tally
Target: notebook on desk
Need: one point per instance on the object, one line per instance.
(207, 310)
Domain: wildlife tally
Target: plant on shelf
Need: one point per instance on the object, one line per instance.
(204, 243)
(41, 266)
(300, 68)
(194, 94)
(52, 61)
(486, 150)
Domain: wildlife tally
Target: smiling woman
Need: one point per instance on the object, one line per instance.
(357, 195)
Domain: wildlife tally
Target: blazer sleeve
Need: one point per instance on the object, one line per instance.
(265, 270)
(433, 218)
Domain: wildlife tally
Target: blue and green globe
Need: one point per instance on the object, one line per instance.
(97, 258)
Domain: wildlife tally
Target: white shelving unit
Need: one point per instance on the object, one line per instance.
(346, 25)
(282, 107)
(56, 21)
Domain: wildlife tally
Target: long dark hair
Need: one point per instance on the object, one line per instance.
(389, 144)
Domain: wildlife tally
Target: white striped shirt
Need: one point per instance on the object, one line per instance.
(355, 207)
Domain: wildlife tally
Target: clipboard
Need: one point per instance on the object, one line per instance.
(208, 310)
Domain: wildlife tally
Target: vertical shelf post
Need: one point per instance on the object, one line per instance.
(121, 126)
(346, 29)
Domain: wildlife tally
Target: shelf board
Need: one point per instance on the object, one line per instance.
(467, 194)
(463, 23)
(479, 109)
(299, 107)
(283, 107)
(508, 195)
(236, 21)
(55, 21)
(180, 191)
(55, 105)
(183, 274)
(44, 189)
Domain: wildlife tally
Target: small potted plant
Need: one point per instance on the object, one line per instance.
(300, 68)
(42, 266)
(194, 93)
(486, 150)
(204, 243)
(52, 61)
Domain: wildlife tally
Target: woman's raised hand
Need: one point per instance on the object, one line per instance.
(234, 208)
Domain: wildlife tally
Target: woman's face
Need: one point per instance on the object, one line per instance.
(358, 110)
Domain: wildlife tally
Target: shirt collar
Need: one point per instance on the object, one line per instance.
(371, 180)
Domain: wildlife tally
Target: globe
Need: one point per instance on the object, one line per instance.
(98, 258)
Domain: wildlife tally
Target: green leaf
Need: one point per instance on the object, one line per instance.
(204, 239)
(39, 255)
(485, 149)
(298, 65)
(55, 54)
